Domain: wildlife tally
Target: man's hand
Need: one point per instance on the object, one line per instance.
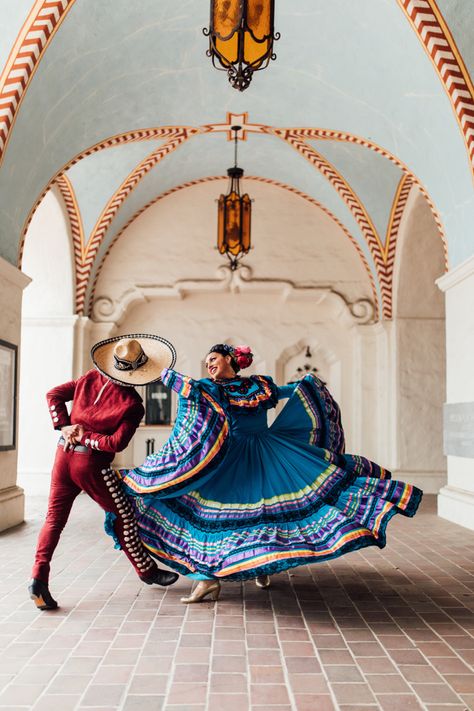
(72, 435)
(78, 434)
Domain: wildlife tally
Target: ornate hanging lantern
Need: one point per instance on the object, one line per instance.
(241, 36)
(233, 215)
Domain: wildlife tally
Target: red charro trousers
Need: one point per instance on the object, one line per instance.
(89, 471)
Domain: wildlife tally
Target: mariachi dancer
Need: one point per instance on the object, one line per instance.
(106, 411)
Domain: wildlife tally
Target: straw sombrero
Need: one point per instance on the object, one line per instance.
(134, 359)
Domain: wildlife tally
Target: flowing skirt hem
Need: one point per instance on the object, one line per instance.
(272, 562)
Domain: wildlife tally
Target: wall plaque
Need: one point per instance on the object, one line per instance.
(8, 387)
(459, 429)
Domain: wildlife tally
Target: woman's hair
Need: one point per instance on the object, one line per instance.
(240, 356)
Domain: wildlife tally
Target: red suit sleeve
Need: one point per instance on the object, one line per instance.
(57, 399)
(118, 440)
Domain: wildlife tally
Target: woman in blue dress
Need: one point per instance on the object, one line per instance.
(228, 497)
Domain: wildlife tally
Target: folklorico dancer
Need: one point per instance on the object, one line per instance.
(229, 498)
(106, 411)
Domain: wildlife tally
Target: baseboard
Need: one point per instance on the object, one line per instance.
(457, 505)
(429, 482)
(35, 482)
(12, 507)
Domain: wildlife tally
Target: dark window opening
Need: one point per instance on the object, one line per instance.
(157, 404)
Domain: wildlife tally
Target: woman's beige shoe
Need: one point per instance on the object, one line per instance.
(262, 581)
(203, 588)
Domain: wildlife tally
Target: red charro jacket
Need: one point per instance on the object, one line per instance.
(109, 413)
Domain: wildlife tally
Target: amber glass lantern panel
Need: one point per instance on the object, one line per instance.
(255, 53)
(259, 23)
(228, 50)
(226, 16)
(232, 224)
(259, 17)
(221, 246)
(246, 210)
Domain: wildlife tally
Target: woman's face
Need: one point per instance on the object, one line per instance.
(218, 366)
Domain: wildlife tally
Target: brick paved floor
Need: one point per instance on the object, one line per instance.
(390, 630)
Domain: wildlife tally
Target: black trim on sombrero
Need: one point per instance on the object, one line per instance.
(116, 339)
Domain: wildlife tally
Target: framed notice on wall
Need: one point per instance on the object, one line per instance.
(8, 364)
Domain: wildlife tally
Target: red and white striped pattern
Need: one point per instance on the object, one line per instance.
(35, 35)
(95, 240)
(147, 134)
(328, 134)
(346, 193)
(268, 181)
(177, 134)
(399, 202)
(77, 235)
(440, 46)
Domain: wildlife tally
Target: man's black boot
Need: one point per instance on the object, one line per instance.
(161, 577)
(39, 593)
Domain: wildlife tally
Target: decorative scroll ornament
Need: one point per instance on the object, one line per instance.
(241, 36)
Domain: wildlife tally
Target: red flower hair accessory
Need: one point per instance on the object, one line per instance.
(243, 356)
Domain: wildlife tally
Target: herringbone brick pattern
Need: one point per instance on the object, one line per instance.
(376, 630)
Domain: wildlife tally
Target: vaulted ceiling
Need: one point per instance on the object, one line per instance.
(118, 103)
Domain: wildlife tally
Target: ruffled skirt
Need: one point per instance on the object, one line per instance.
(268, 500)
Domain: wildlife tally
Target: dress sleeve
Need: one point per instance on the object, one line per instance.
(57, 399)
(182, 384)
(312, 415)
(194, 449)
(285, 391)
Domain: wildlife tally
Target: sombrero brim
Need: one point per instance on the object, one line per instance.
(161, 354)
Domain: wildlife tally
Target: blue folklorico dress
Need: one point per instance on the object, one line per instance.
(229, 497)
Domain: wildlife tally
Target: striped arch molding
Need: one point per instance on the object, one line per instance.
(383, 255)
(85, 252)
(77, 231)
(113, 205)
(42, 23)
(46, 16)
(267, 181)
(428, 22)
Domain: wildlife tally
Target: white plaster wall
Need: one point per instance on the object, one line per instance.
(371, 403)
(47, 256)
(12, 283)
(418, 345)
(48, 329)
(456, 499)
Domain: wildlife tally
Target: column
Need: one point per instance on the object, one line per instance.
(456, 499)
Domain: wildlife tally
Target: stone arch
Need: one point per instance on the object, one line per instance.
(326, 359)
(48, 335)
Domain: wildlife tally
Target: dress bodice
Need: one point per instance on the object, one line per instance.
(245, 424)
(244, 395)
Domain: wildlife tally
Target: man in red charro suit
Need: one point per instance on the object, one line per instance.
(105, 414)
